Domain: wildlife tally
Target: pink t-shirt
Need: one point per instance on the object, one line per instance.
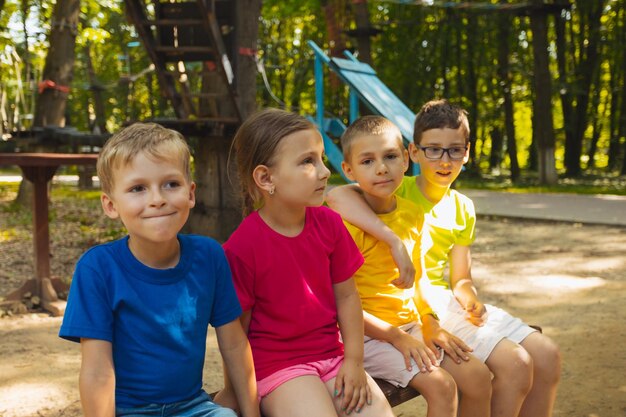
(287, 283)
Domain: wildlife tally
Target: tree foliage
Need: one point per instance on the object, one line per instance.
(481, 59)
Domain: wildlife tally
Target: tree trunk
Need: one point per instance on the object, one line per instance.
(364, 31)
(589, 64)
(218, 209)
(596, 121)
(543, 125)
(505, 81)
(565, 88)
(615, 79)
(57, 76)
(58, 69)
(472, 89)
(495, 157)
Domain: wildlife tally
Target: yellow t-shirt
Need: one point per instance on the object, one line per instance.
(379, 296)
(449, 222)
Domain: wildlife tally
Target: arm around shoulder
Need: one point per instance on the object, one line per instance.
(348, 201)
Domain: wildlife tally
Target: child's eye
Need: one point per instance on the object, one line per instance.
(136, 189)
(391, 156)
(172, 184)
(367, 161)
(307, 161)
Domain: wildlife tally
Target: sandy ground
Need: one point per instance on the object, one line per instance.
(569, 279)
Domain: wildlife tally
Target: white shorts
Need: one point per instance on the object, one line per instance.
(382, 360)
(483, 339)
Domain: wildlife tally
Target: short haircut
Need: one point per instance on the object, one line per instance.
(440, 114)
(367, 125)
(153, 139)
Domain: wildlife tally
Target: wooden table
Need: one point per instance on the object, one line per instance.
(39, 168)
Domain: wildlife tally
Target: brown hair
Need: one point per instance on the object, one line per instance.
(151, 138)
(367, 125)
(255, 144)
(440, 114)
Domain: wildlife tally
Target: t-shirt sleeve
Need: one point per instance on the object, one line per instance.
(226, 306)
(467, 235)
(88, 313)
(346, 258)
(243, 276)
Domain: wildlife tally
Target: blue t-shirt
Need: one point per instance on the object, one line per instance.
(156, 319)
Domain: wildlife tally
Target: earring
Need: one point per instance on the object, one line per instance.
(272, 190)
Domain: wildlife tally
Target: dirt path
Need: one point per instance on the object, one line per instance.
(569, 279)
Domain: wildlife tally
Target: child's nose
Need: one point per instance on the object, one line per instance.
(382, 168)
(324, 172)
(156, 198)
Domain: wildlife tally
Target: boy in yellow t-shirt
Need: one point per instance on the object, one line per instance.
(395, 351)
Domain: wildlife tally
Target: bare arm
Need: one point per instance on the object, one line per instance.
(406, 344)
(463, 285)
(348, 201)
(351, 380)
(238, 366)
(97, 378)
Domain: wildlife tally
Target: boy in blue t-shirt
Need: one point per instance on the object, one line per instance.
(140, 306)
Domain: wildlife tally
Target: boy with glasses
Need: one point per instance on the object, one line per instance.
(525, 363)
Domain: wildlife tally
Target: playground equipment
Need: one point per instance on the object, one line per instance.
(365, 87)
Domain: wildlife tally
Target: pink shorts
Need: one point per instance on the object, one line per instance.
(326, 370)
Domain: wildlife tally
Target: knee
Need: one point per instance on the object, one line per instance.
(547, 362)
(517, 372)
(439, 386)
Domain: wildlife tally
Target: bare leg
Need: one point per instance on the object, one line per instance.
(473, 379)
(511, 366)
(378, 408)
(298, 397)
(439, 390)
(546, 374)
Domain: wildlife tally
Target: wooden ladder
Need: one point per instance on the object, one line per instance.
(188, 43)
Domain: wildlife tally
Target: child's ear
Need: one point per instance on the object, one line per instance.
(263, 178)
(108, 205)
(466, 157)
(192, 195)
(347, 169)
(413, 153)
(405, 158)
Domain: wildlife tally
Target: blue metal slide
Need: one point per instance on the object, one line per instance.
(366, 87)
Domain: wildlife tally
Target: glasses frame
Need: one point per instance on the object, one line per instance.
(443, 152)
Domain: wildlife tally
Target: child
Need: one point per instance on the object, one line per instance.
(376, 159)
(140, 306)
(292, 264)
(525, 363)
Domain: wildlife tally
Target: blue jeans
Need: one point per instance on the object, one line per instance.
(200, 406)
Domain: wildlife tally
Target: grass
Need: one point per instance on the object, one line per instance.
(588, 184)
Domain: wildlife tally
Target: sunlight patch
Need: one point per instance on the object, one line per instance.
(566, 282)
(26, 399)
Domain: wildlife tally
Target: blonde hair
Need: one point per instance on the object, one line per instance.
(153, 139)
(368, 125)
(440, 114)
(255, 144)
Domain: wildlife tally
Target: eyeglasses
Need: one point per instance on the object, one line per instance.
(455, 153)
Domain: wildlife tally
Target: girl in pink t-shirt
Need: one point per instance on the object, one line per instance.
(292, 262)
